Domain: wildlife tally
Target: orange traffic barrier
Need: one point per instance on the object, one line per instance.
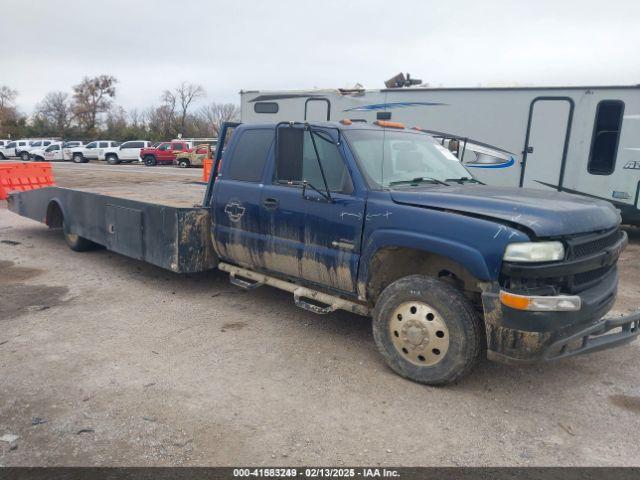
(207, 163)
(16, 176)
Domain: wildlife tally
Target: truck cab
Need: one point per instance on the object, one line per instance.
(386, 217)
(164, 153)
(51, 153)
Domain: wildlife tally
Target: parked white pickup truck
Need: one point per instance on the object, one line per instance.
(14, 148)
(25, 152)
(91, 151)
(127, 152)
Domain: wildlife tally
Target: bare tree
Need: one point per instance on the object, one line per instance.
(7, 97)
(216, 114)
(92, 97)
(56, 110)
(8, 112)
(181, 98)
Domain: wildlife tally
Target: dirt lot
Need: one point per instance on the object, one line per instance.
(109, 361)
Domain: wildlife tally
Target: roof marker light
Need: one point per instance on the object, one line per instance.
(388, 124)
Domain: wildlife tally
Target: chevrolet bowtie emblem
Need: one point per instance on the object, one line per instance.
(234, 210)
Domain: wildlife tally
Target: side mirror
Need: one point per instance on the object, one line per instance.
(289, 154)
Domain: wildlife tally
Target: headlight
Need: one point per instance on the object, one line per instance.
(534, 252)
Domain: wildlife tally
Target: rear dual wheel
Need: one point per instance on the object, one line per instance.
(427, 330)
(76, 242)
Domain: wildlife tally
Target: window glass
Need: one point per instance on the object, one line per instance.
(36, 144)
(11, 145)
(103, 144)
(163, 146)
(53, 148)
(134, 145)
(46, 143)
(126, 145)
(265, 107)
(395, 157)
(92, 145)
(334, 168)
(606, 134)
(250, 155)
(178, 146)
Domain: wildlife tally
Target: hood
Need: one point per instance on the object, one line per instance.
(547, 213)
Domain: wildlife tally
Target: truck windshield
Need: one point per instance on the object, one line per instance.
(393, 158)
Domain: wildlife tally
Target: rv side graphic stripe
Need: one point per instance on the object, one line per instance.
(497, 165)
(568, 190)
(390, 106)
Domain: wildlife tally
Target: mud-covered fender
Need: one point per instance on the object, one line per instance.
(484, 265)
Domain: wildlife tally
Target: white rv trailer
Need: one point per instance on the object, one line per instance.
(583, 140)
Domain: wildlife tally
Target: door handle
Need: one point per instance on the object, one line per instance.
(270, 203)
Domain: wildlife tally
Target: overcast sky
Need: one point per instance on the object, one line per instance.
(241, 44)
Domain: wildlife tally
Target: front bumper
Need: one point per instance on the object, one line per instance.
(524, 337)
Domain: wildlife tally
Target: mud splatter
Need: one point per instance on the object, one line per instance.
(627, 402)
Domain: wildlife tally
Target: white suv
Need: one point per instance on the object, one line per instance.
(13, 148)
(91, 151)
(127, 152)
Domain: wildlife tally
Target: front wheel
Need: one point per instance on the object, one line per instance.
(150, 161)
(112, 160)
(183, 163)
(427, 330)
(24, 156)
(77, 158)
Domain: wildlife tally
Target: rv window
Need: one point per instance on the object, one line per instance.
(265, 107)
(250, 155)
(606, 133)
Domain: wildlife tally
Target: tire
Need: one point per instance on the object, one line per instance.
(112, 160)
(24, 156)
(76, 242)
(184, 163)
(441, 338)
(77, 158)
(150, 161)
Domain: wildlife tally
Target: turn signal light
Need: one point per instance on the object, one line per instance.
(541, 303)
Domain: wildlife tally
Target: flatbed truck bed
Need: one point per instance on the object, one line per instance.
(161, 222)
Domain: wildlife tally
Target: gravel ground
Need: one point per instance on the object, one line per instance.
(108, 361)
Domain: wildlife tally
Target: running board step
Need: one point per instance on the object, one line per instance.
(244, 284)
(305, 298)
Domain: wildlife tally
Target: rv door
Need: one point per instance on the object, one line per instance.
(546, 143)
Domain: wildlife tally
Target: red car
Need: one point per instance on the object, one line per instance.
(164, 153)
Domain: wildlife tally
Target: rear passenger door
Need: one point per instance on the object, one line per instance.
(99, 152)
(236, 197)
(130, 150)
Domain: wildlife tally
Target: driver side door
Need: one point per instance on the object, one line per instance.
(312, 234)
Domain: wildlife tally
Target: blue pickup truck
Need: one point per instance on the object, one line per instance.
(379, 220)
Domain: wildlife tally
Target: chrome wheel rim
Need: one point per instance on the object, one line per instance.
(419, 334)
